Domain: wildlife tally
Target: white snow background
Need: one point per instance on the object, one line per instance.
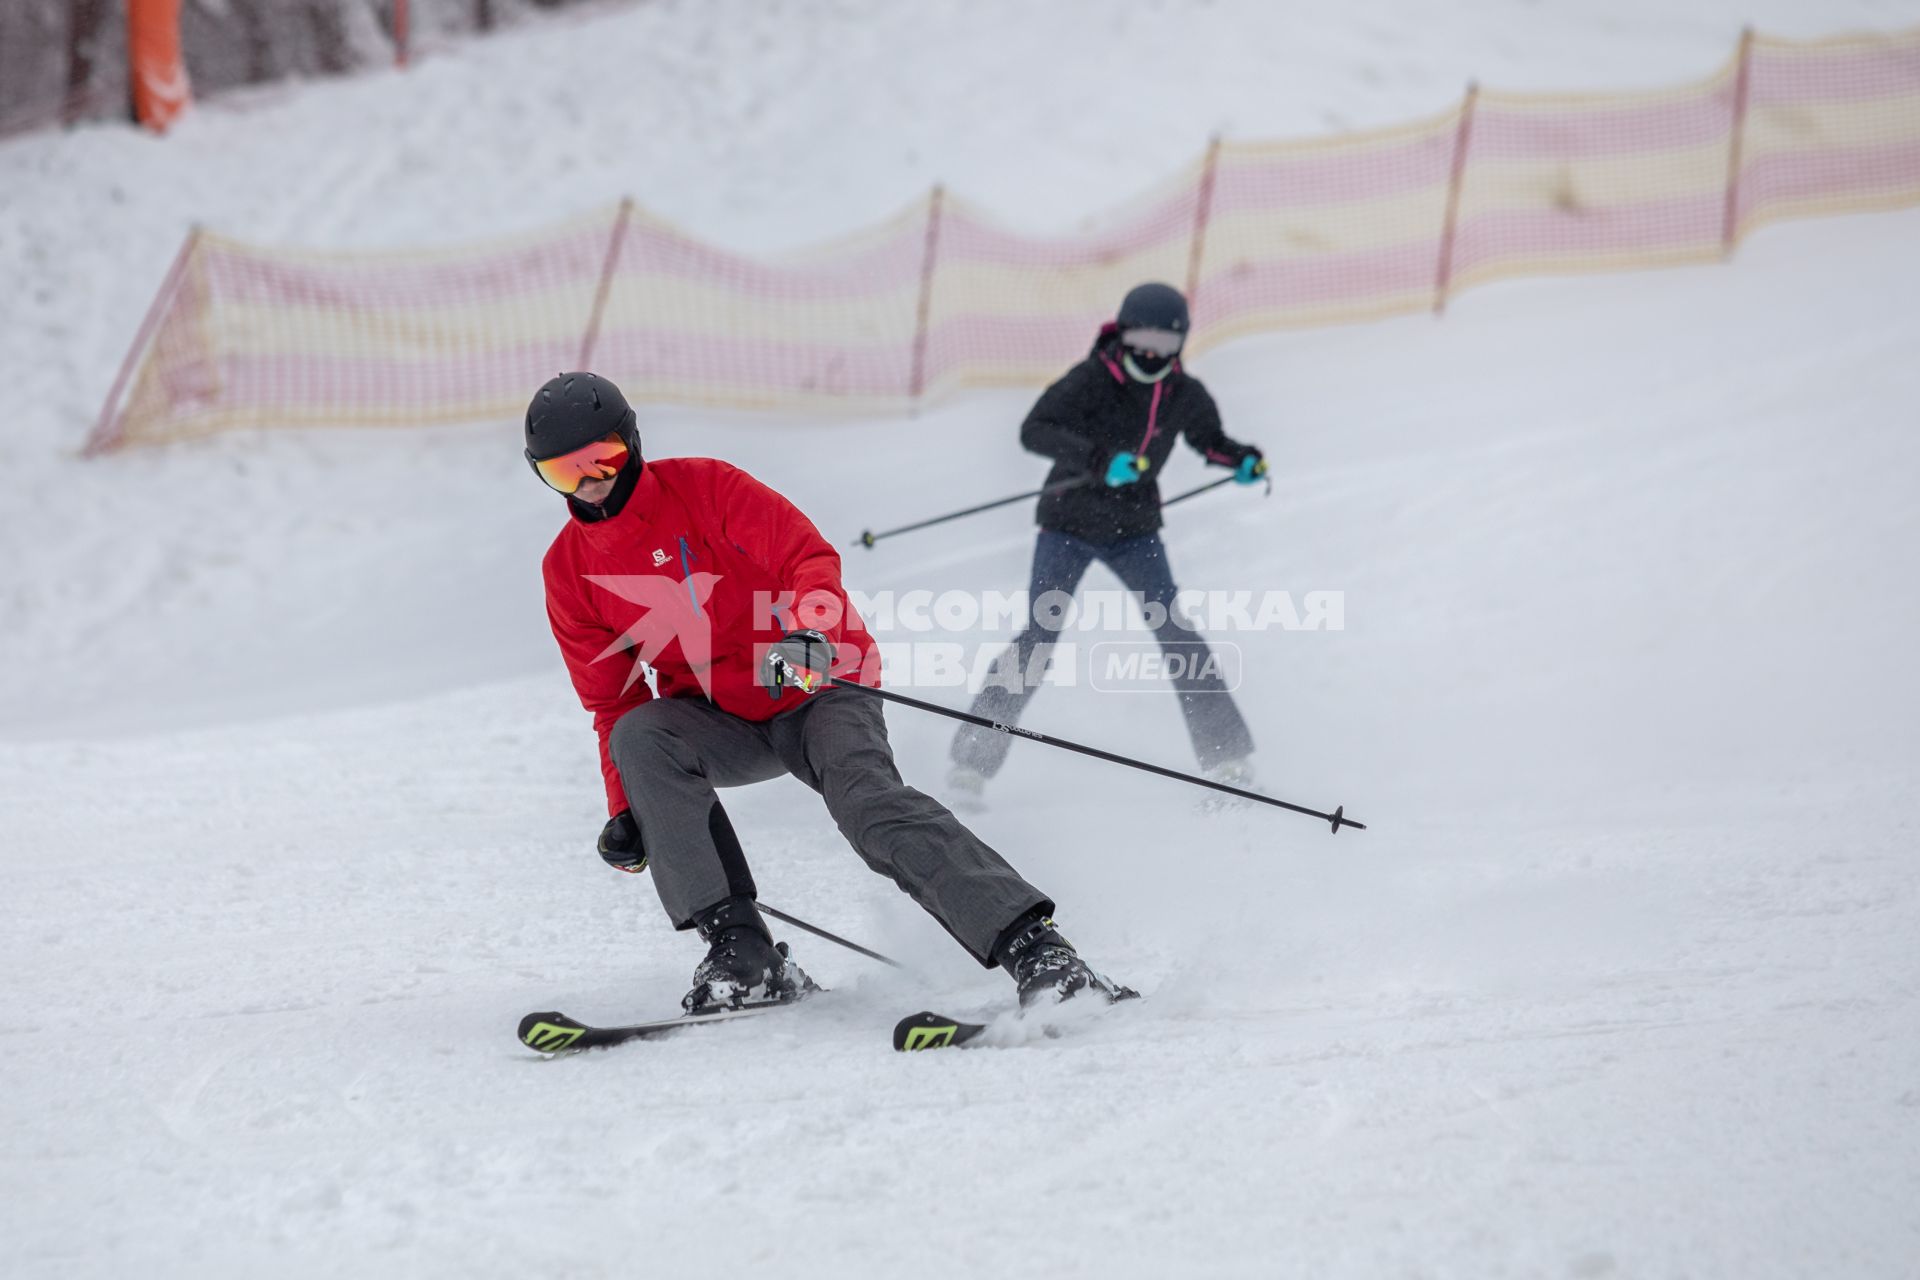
(297, 809)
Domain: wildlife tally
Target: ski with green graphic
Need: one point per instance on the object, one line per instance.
(932, 1031)
(555, 1033)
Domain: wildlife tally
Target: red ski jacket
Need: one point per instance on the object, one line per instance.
(701, 571)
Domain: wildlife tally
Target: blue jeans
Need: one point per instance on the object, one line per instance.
(1059, 562)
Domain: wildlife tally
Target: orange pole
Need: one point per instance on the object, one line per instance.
(402, 33)
(154, 67)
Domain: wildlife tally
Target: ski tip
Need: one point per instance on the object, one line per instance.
(926, 1030)
(550, 1032)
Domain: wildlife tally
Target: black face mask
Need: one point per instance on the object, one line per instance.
(1144, 366)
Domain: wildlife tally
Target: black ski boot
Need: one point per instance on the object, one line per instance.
(743, 964)
(1047, 969)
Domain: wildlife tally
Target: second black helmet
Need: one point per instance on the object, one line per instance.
(1154, 306)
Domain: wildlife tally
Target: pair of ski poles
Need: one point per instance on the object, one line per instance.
(868, 538)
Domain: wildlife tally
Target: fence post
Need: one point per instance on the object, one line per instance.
(108, 427)
(614, 242)
(402, 33)
(1736, 144)
(1202, 215)
(1462, 139)
(923, 312)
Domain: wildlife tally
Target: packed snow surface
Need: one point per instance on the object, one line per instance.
(299, 810)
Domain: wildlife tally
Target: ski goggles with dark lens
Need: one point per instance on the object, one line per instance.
(600, 460)
(1154, 342)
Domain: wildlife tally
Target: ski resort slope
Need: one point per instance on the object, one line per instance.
(1621, 981)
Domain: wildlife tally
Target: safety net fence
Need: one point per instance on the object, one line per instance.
(1262, 235)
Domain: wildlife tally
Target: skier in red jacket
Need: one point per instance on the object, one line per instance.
(693, 569)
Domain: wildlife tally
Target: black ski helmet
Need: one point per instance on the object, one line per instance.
(1153, 306)
(572, 411)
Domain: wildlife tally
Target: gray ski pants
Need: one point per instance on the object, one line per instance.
(673, 752)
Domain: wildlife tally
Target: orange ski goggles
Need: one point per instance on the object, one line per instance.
(600, 460)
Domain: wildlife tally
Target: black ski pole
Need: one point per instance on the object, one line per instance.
(1337, 818)
(1194, 493)
(868, 537)
(1214, 484)
(818, 932)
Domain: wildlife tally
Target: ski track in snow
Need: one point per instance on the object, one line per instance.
(298, 809)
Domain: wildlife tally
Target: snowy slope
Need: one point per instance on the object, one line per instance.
(1621, 982)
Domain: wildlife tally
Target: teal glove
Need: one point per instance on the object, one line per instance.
(1252, 467)
(1125, 468)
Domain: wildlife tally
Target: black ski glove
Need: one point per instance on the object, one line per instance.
(620, 843)
(800, 661)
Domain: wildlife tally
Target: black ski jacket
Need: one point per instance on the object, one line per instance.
(1096, 411)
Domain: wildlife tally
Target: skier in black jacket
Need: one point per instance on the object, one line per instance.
(1111, 422)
